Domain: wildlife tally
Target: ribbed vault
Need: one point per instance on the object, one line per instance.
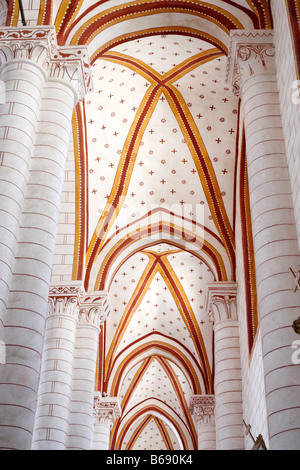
(156, 173)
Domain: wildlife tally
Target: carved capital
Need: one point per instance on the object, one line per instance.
(251, 52)
(71, 299)
(106, 410)
(71, 65)
(221, 301)
(65, 299)
(202, 409)
(94, 309)
(34, 44)
(38, 44)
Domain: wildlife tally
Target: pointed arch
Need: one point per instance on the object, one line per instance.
(143, 349)
(150, 406)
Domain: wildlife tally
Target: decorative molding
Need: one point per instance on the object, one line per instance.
(106, 410)
(221, 301)
(202, 409)
(70, 64)
(65, 299)
(251, 52)
(71, 299)
(94, 309)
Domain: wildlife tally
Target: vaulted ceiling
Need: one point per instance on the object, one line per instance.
(156, 159)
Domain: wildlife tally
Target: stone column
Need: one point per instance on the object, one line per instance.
(106, 411)
(253, 77)
(66, 76)
(93, 312)
(22, 83)
(56, 380)
(202, 408)
(221, 305)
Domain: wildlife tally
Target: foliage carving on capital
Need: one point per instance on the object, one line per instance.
(39, 45)
(65, 299)
(71, 299)
(251, 53)
(106, 410)
(202, 409)
(94, 309)
(27, 43)
(223, 307)
(71, 64)
(221, 304)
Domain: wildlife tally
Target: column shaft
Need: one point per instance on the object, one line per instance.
(93, 312)
(81, 419)
(106, 411)
(64, 418)
(28, 297)
(252, 72)
(202, 408)
(56, 379)
(101, 437)
(206, 437)
(228, 386)
(221, 305)
(24, 83)
(55, 388)
(36, 127)
(18, 120)
(276, 250)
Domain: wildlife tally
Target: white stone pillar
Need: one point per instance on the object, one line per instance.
(67, 78)
(253, 75)
(93, 312)
(106, 411)
(22, 83)
(221, 305)
(56, 381)
(202, 408)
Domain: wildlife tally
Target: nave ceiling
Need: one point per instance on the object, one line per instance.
(156, 153)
